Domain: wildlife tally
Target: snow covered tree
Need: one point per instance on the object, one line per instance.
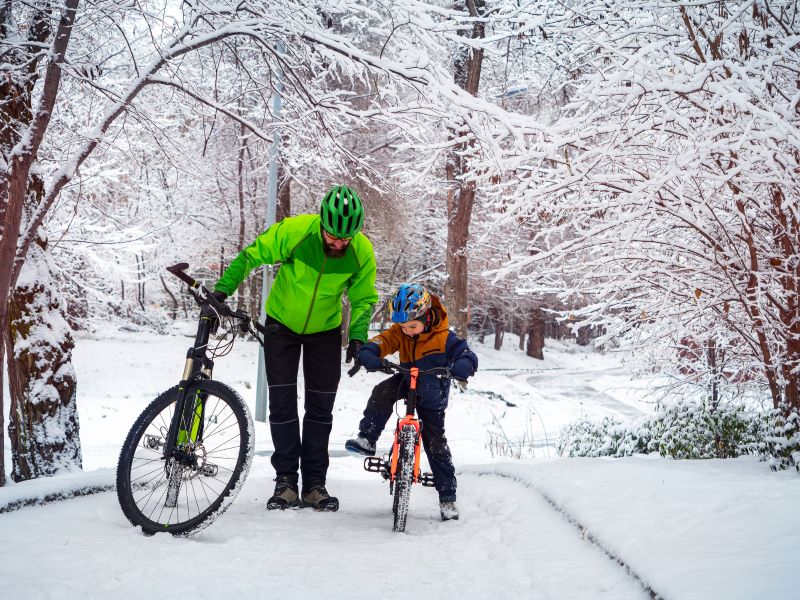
(670, 180)
(87, 85)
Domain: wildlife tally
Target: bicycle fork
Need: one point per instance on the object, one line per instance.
(185, 430)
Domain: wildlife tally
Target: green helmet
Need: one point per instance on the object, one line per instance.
(341, 212)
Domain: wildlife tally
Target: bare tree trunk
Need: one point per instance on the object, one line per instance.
(584, 335)
(2, 414)
(786, 239)
(461, 194)
(536, 336)
(140, 281)
(172, 296)
(498, 324)
(499, 332)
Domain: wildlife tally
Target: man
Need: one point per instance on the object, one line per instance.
(321, 257)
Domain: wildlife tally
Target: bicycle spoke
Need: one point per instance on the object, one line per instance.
(208, 462)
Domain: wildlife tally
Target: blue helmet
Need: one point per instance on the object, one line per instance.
(410, 302)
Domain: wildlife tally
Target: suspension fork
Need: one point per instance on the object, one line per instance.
(187, 421)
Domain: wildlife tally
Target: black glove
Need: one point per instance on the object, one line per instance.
(352, 351)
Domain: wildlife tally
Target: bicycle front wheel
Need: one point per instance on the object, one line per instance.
(404, 477)
(183, 496)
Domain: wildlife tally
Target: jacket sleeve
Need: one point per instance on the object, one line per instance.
(386, 343)
(268, 248)
(362, 295)
(463, 361)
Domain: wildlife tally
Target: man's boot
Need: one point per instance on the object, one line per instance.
(285, 495)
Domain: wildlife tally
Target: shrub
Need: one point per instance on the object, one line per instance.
(782, 444)
(683, 430)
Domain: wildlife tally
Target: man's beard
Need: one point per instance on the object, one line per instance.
(332, 252)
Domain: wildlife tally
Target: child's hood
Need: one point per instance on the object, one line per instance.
(442, 323)
(432, 342)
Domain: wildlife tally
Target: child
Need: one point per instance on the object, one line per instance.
(421, 334)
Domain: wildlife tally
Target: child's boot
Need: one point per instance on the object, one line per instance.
(448, 510)
(360, 445)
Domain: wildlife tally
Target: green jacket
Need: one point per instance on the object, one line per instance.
(306, 295)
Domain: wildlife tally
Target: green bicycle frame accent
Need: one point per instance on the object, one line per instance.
(192, 434)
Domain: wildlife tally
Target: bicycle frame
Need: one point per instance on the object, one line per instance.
(186, 425)
(409, 420)
(389, 468)
(184, 459)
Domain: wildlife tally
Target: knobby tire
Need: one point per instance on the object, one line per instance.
(162, 496)
(404, 478)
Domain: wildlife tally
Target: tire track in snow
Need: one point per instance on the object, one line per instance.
(576, 522)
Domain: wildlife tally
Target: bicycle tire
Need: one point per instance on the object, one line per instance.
(404, 477)
(162, 496)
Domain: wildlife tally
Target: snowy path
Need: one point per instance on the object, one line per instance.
(510, 543)
(572, 387)
(692, 530)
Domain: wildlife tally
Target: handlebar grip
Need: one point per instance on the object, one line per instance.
(179, 272)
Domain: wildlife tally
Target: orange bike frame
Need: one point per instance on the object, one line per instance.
(409, 419)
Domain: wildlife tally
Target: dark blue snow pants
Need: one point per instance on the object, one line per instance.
(379, 409)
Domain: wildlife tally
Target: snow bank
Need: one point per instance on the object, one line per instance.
(690, 529)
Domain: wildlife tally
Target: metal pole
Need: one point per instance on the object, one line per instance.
(272, 200)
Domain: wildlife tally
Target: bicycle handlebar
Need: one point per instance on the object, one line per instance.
(179, 270)
(388, 366)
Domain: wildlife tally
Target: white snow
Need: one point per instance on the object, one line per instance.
(688, 529)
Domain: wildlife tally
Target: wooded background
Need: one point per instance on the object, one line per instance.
(617, 171)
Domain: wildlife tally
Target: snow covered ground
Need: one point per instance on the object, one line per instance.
(536, 527)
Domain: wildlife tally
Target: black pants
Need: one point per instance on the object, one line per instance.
(322, 355)
(379, 410)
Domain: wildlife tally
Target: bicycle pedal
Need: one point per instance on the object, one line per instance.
(426, 479)
(376, 465)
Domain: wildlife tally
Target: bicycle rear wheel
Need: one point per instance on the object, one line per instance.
(404, 477)
(183, 497)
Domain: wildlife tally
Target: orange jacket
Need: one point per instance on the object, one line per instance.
(439, 347)
(412, 349)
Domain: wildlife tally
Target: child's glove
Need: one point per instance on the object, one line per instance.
(462, 369)
(373, 363)
(369, 358)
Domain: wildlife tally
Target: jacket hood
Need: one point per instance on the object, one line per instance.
(442, 321)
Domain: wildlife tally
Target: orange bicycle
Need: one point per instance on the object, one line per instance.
(401, 467)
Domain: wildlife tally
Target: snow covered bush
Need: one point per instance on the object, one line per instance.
(782, 444)
(686, 429)
(610, 437)
(691, 430)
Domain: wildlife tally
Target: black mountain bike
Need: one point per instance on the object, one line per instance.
(189, 452)
(401, 467)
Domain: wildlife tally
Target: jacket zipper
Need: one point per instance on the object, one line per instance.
(314, 294)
